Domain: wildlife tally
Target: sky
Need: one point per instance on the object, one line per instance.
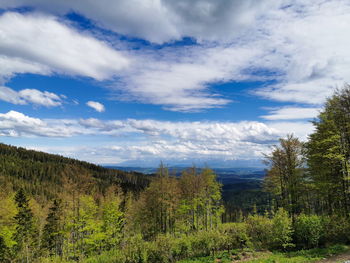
(136, 82)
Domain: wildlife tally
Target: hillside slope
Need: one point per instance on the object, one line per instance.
(44, 174)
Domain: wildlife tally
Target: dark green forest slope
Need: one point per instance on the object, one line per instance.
(46, 175)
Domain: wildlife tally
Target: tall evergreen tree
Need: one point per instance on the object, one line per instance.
(52, 239)
(24, 236)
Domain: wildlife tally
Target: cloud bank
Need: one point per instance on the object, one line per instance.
(133, 139)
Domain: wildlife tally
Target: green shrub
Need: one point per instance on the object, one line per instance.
(112, 256)
(234, 236)
(181, 247)
(134, 249)
(202, 243)
(336, 230)
(281, 235)
(308, 231)
(159, 250)
(259, 229)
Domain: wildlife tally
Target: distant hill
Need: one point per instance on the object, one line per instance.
(242, 187)
(46, 174)
(225, 175)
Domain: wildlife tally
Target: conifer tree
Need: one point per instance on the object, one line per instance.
(52, 235)
(25, 231)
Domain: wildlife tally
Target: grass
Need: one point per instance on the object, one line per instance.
(301, 256)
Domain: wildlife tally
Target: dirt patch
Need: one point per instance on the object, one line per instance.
(342, 258)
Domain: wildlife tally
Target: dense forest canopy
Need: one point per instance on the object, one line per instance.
(63, 210)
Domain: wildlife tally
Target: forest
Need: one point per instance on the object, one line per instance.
(56, 209)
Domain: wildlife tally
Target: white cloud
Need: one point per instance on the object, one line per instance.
(11, 65)
(298, 128)
(96, 106)
(180, 79)
(151, 139)
(34, 96)
(291, 113)
(38, 43)
(300, 45)
(16, 124)
(162, 20)
(310, 50)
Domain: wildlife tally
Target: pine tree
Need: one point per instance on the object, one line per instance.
(25, 232)
(52, 235)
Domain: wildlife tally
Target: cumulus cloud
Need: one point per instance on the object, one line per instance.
(16, 124)
(38, 43)
(133, 139)
(34, 96)
(300, 45)
(99, 107)
(306, 65)
(291, 113)
(163, 20)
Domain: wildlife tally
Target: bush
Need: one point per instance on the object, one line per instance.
(202, 243)
(308, 231)
(181, 247)
(234, 236)
(281, 235)
(259, 229)
(336, 230)
(112, 256)
(159, 250)
(134, 249)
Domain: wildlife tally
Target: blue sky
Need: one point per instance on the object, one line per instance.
(190, 81)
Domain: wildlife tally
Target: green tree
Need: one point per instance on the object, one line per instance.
(286, 176)
(328, 152)
(25, 235)
(282, 230)
(53, 238)
(158, 205)
(113, 221)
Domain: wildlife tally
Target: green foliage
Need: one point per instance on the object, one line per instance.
(134, 249)
(111, 256)
(47, 175)
(25, 236)
(182, 247)
(281, 237)
(285, 179)
(3, 250)
(113, 219)
(160, 250)
(52, 239)
(304, 256)
(328, 152)
(308, 231)
(259, 228)
(234, 236)
(336, 230)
